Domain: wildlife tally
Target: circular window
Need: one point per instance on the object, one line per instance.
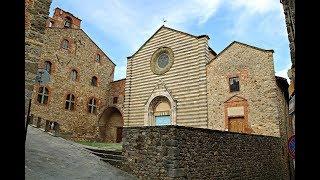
(161, 60)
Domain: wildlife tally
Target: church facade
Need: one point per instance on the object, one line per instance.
(175, 78)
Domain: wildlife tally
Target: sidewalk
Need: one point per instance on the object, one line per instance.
(49, 157)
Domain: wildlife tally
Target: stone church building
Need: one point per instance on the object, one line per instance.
(175, 78)
(81, 101)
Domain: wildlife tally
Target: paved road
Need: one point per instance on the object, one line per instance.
(48, 157)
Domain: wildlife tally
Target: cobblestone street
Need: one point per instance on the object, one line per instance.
(49, 157)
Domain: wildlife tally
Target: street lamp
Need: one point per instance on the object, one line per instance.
(42, 78)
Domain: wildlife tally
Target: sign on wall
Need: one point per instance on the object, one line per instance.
(292, 104)
(235, 111)
(291, 146)
(42, 77)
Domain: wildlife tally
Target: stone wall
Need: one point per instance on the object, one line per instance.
(290, 14)
(117, 90)
(81, 56)
(36, 14)
(177, 152)
(258, 89)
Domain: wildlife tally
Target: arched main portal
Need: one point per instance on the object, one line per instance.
(160, 110)
(110, 125)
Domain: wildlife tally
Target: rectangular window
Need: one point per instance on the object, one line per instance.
(234, 84)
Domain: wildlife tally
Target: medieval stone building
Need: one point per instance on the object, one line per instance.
(289, 12)
(36, 14)
(81, 78)
(175, 78)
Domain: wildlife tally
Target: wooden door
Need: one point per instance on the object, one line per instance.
(119, 134)
(236, 124)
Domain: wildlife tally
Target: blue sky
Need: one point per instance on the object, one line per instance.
(120, 27)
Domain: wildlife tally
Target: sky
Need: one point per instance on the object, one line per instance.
(120, 27)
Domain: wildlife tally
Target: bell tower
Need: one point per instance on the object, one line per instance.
(63, 19)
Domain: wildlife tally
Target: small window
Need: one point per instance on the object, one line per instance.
(50, 23)
(43, 95)
(234, 84)
(65, 44)
(115, 100)
(94, 81)
(70, 102)
(67, 22)
(92, 106)
(74, 75)
(47, 66)
(98, 58)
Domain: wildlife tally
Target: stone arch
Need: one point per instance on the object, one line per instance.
(110, 125)
(154, 100)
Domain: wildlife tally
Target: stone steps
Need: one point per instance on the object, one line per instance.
(114, 158)
(109, 156)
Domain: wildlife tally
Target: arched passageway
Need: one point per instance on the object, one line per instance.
(110, 125)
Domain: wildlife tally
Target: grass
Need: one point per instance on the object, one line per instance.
(106, 146)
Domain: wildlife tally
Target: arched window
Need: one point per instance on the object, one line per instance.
(92, 106)
(94, 81)
(115, 100)
(51, 23)
(98, 57)
(47, 66)
(73, 75)
(234, 84)
(43, 95)
(70, 102)
(67, 22)
(65, 44)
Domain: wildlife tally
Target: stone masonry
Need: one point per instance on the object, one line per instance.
(289, 11)
(80, 56)
(196, 84)
(176, 152)
(258, 89)
(36, 14)
(117, 91)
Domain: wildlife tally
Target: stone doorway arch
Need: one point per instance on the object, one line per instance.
(159, 104)
(110, 125)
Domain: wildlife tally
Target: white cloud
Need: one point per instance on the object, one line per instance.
(284, 72)
(192, 10)
(132, 25)
(120, 72)
(257, 16)
(255, 6)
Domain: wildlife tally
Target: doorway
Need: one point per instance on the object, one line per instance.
(110, 125)
(236, 124)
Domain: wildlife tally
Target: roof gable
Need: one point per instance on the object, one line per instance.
(164, 27)
(76, 29)
(247, 45)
